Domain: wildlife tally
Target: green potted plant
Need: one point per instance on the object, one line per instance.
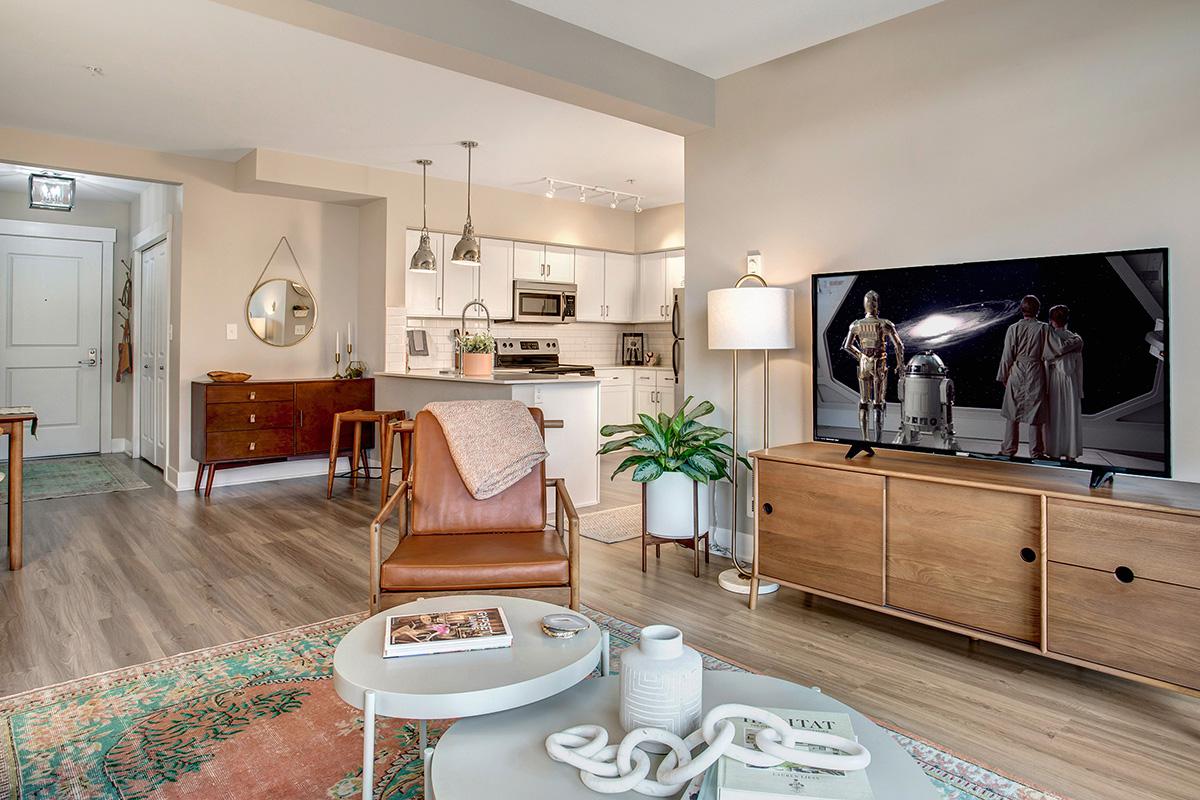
(672, 454)
(477, 351)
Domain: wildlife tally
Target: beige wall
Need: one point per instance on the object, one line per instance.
(968, 130)
(97, 214)
(658, 229)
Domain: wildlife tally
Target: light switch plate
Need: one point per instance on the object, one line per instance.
(231, 331)
(754, 262)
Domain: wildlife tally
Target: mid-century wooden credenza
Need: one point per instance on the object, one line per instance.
(237, 424)
(1019, 555)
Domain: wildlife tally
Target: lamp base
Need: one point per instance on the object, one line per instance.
(733, 581)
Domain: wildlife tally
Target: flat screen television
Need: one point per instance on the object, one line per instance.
(1059, 360)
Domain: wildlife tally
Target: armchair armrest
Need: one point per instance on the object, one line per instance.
(565, 507)
(385, 513)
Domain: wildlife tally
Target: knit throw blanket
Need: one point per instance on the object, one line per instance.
(494, 443)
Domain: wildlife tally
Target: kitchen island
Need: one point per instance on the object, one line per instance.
(575, 399)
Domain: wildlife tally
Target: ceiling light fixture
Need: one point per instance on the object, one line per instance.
(424, 260)
(588, 192)
(466, 252)
(51, 192)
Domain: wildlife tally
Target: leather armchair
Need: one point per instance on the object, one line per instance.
(451, 543)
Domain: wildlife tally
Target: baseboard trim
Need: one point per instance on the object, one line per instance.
(119, 445)
(258, 473)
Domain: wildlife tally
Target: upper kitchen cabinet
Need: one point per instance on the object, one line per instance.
(422, 290)
(652, 288)
(495, 278)
(538, 262)
(590, 298)
(674, 273)
(459, 283)
(620, 287)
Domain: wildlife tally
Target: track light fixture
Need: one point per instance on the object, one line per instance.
(615, 196)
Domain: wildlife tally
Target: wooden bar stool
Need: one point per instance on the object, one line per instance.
(398, 427)
(380, 419)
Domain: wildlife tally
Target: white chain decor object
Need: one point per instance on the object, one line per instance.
(612, 769)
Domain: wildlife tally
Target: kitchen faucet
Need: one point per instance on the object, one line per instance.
(462, 331)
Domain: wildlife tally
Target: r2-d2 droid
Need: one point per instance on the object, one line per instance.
(926, 403)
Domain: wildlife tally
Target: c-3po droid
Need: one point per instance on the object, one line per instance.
(867, 340)
(926, 402)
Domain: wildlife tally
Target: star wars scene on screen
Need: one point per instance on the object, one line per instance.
(1055, 359)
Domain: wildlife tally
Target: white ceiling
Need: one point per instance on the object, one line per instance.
(720, 37)
(15, 178)
(196, 77)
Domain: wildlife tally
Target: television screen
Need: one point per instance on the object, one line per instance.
(1060, 359)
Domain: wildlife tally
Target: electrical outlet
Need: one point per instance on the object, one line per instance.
(754, 262)
(231, 331)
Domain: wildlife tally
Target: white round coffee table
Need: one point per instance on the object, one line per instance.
(459, 684)
(510, 747)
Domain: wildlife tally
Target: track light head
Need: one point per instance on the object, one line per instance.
(550, 188)
(613, 203)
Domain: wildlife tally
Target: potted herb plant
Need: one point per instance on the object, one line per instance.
(672, 454)
(477, 351)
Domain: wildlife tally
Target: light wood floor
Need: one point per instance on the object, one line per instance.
(119, 579)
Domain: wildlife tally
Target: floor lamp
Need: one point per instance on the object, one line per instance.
(749, 318)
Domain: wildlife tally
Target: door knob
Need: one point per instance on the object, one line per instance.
(90, 361)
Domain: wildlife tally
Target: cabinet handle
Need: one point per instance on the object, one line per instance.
(439, 304)
(1124, 574)
(252, 395)
(252, 418)
(302, 418)
(252, 445)
(1028, 555)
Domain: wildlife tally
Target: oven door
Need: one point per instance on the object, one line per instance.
(538, 305)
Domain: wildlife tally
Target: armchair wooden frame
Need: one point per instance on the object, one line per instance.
(566, 524)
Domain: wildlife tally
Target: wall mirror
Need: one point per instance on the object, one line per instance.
(280, 311)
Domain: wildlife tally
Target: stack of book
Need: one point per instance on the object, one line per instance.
(446, 632)
(730, 779)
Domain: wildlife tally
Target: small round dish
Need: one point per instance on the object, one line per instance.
(563, 626)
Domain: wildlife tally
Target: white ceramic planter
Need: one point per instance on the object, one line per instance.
(661, 684)
(669, 506)
(477, 364)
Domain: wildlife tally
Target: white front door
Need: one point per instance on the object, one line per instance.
(152, 354)
(50, 336)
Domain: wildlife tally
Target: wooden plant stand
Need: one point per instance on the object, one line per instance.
(650, 540)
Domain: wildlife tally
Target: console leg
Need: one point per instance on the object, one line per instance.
(604, 654)
(855, 449)
(1101, 476)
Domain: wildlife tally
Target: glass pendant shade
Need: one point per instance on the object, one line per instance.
(423, 260)
(466, 252)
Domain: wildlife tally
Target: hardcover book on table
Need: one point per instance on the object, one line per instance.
(446, 632)
(734, 780)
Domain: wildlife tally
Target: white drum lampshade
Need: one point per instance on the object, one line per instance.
(752, 318)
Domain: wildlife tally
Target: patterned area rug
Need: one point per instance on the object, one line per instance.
(48, 478)
(613, 525)
(260, 719)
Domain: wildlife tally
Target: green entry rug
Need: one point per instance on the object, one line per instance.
(46, 478)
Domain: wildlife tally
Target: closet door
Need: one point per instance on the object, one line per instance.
(152, 347)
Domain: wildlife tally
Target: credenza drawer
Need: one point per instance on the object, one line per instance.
(1143, 626)
(821, 528)
(1152, 544)
(248, 416)
(248, 392)
(237, 445)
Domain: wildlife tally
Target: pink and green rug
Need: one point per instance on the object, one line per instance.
(260, 719)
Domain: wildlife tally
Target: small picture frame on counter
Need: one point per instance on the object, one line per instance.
(633, 348)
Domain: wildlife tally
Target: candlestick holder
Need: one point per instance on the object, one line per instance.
(337, 365)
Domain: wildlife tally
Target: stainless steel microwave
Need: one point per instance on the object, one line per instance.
(543, 301)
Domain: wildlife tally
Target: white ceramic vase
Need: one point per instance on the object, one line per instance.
(669, 506)
(661, 682)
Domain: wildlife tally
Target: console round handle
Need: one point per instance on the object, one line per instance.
(767, 508)
(1124, 574)
(1028, 555)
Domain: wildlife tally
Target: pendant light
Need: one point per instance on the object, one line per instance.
(424, 260)
(466, 252)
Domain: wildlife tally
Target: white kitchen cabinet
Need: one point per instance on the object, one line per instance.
(674, 261)
(458, 287)
(560, 263)
(620, 286)
(652, 288)
(665, 383)
(645, 401)
(529, 261)
(495, 278)
(422, 290)
(590, 279)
